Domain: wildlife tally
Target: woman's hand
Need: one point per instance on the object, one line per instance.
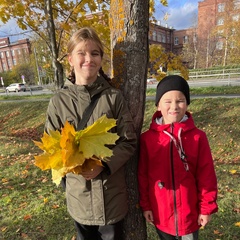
(92, 173)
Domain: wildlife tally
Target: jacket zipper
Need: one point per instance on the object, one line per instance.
(173, 184)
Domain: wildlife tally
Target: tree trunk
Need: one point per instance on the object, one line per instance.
(58, 68)
(129, 25)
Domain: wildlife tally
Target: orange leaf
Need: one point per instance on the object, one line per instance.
(26, 217)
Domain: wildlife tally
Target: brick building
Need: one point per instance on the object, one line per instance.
(211, 13)
(159, 34)
(13, 53)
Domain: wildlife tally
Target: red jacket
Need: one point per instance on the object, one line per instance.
(176, 190)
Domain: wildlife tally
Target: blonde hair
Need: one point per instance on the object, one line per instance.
(84, 34)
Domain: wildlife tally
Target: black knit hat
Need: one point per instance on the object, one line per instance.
(172, 82)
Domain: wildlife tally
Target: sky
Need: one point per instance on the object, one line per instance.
(11, 29)
(180, 16)
(180, 13)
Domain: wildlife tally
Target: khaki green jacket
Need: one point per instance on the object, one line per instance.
(102, 200)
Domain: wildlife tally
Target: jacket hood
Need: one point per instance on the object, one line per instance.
(186, 125)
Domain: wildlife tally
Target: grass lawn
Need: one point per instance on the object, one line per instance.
(33, 208)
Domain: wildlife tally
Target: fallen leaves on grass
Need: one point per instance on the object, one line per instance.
(26, 133)
(26, 217)
(233, 171)
(237, 224)
(73, 151)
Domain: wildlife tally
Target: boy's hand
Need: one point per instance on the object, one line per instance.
(148, 216)
(204, 219)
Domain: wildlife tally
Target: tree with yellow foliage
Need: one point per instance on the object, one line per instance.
(170, 62)
(53, 21)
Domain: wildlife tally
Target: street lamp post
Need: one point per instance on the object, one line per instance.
(36, 61)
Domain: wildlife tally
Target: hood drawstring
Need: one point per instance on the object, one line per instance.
(178, 145)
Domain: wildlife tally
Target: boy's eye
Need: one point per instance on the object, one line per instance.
(95, 54)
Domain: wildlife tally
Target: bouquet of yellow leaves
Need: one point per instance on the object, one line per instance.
(73, 151)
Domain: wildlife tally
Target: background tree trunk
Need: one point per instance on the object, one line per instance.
(58, 68)
(129, 25)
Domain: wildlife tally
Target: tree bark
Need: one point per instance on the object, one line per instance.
(58, 68)
(129, 25)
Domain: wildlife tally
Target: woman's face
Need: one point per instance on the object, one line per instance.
(86, 61)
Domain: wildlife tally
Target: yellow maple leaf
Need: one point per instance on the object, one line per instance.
(233, 171)
(71, 156)
(73, 151)
(51, 158)
(91, 137)
(237, 224)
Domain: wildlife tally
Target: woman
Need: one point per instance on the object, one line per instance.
(96, 199)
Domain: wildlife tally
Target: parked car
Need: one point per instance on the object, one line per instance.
(16, 87)
(151, 80)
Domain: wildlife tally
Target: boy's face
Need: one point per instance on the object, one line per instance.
(173, 106)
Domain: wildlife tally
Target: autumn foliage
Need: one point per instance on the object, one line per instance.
(73, 151)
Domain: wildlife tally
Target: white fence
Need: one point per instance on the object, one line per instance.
(212, 74)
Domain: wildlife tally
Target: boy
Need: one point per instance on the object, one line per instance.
(177, 180)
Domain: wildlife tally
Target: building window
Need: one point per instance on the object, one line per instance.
(2, 55)
(14, 62)
(235, 18)
(4, 67)
(9, 64)
(154, 36)
(7, 53)
(19, 51)
(168, 39)
(159, 37)
(13, 52)
(176, 41)
(220, 21)
(221, 7)
(219, 45)
(185, 39)
(163, 38)
(236, 4)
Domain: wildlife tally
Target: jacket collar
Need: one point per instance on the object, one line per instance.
(94, 88)
(185, 125)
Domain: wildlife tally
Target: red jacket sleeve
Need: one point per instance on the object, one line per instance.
(206, 179)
